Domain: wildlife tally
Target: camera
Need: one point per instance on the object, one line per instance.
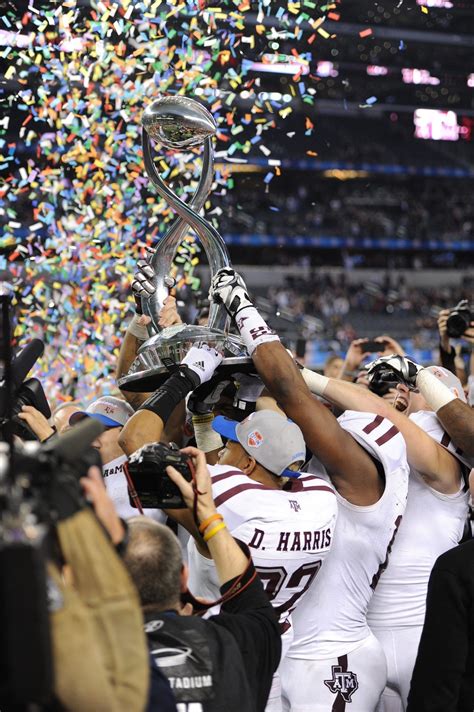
(459, 319)
(147, 469)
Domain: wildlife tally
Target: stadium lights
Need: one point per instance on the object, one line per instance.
(278, 64)
(376, 70)
(436, 125)
(344, 174)
(418, 76)
(435, 3)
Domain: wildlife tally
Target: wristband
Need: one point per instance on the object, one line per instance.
(138, 330)
(172, 392)
(214, 531)
(214, 517)
(316, 383)
(433, 390)
(253, 329)
(207, 439)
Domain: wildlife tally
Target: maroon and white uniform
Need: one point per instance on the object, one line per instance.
(334, 659)
(289, 534)
(432, 524)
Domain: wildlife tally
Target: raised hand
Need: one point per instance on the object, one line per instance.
(203, 361)
(228, 288)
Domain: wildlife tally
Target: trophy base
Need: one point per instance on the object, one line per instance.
(151, 367)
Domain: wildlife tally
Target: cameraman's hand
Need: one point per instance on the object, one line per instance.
(95, 493)
(354, 357)
(443, 329)
(205, 503)
(469, 334)
(390, 346)
(36, 422)
(169, 314)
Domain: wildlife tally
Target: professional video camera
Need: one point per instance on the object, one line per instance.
(459, 319)
(147, 469)
(39, 485)
(22, 392)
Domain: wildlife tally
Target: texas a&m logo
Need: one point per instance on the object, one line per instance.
(294, 505)
(343, 683)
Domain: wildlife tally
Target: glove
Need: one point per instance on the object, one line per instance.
(141, 284)
(202, 361)
(399, 368)
(228, 288)
(204, 398)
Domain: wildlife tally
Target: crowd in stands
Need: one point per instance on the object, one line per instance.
(310, 205)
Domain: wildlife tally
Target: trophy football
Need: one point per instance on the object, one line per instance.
(179, 122)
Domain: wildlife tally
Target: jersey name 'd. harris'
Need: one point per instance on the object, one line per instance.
(295, 541)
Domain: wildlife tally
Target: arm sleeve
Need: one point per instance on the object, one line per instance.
(250, 618)
(447, 358)
(441, 660)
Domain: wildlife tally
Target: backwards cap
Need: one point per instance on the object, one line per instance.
(450, 381)
(112, 412)
(272, 440)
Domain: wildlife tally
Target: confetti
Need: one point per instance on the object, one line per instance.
(76, 206)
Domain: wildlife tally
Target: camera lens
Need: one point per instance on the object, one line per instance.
(456, 324)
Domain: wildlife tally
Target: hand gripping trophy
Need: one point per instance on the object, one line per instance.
(178, 122)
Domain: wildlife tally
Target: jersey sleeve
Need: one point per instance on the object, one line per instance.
(378, 436)
(428, 421)
(234, 495)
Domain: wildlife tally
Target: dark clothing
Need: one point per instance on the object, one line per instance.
(447, 358)
(443, 677)
(225, 663)
(160, 696)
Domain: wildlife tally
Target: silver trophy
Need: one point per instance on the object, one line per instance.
(178, 122)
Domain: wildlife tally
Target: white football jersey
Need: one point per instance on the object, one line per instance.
(331, 619)
(432, 524)
(289, 534)
(117, 488)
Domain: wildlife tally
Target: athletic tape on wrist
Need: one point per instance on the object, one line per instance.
(207, 439)
(138, 330)
(315, 382)
(433, 390)
(253, 329)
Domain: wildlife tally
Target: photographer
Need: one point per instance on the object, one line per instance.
(223, 663)
(454, 323)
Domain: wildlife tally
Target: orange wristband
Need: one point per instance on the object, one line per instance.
(214, 530)
(203, 526)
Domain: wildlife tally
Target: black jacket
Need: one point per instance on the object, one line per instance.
(443, 677)
(226, 662)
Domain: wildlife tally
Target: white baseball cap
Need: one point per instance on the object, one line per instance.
(112, 412)
(271, 439)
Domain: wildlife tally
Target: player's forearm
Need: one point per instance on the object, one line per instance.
(458, 420)
(127, 355)
(142, 428)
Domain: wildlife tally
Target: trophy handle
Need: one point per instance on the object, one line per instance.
(212, 242)
(164, 254)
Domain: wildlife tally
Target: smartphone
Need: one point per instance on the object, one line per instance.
(373, 346)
